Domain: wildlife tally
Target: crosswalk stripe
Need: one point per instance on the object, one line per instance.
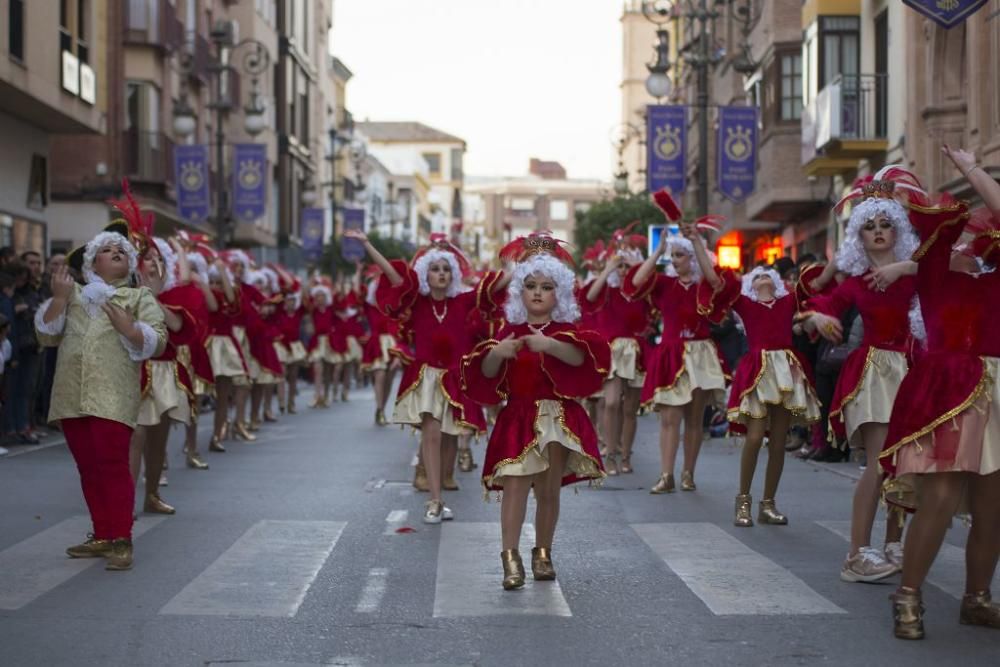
(948, 571)
(395, 519)
(33, 567)
(469, 575)
(265, 573)
(729, 577)
(374, 591)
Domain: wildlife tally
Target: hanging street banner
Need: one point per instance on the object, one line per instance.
(312, 228)
(666, 148)
(352, 250)
(249, 182)
(737, 150)
(191, 182)
(946, 13)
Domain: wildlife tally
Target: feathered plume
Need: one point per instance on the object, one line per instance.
(667, 205)
(523, 247)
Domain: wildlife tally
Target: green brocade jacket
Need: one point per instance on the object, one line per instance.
(97, 375)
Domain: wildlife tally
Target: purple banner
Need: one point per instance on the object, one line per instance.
(249, 181)
(312, 230)
(353, 250)
(666, 148)
(946, 14)
(737, 149)
(191, 179)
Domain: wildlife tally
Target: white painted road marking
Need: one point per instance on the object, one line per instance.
(371, 596)
(266, 572)
(948, 571)
(33, 567)
(469, 574)
(729, 577)
(395, 519)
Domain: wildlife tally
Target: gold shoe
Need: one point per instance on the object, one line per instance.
(318, 402)
(769, 514)
(541, 564)
(420, 478)
(611, 464)
(465, 460)
(449, 483)
(626, 465)
(268, 417)
(215, 444)
(155, 505)
(380, 419)
(240, 432)
(195, 461)
(253, 426)
(513, 569)
(908, 613)
(92, 548)
(687, 481)
(291, 409)
(978, 609)
(743, 517)
(664, 485)
(120, 556)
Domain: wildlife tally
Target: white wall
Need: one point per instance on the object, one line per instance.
(18, 142)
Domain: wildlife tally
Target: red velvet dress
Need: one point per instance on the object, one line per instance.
(941, 405)
(439, 332)
(289, 334)
(222, 345)
(871, 375)
(542, 406)
(623, 323)
(326, 343)
(686, 357)
(383, 340)
(260, 337)
(350, 324)
(166, 386)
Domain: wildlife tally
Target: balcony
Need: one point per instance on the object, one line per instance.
(148, 157)
(152, 23)
(846, 122)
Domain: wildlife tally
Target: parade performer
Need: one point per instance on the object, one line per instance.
(434, 310)
(195, 356)
(325, 360)
(686, 365)
(382, 352)
(877, 239)
(624, 323)
(943, 434)
(593, 263)
(229, 367)
(103, 329)
(347, 307)
(263, 335)
(540, 364)
(772, 386)
(289, 324)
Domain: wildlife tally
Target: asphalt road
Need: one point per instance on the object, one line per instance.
(306, 548)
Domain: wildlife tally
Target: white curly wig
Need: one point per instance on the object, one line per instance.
(322, 289)
(566, 310)
(851, 256)
(105, 239)
(213, 272)
(169, 262)
(686, 246)
(423, 263)
(198, 265)
(749, 292)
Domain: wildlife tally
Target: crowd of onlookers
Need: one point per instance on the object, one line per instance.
(26, 369)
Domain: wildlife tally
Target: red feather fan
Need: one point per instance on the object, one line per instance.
(667, 205)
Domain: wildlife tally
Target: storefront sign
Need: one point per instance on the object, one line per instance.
(666, 147)
(737, 152)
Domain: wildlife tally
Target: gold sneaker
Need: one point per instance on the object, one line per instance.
(513, 569)
(978, 609)
(664, 485)
(908, 613)
(120, 557)
(541, 564)
(744, 518)
(196, 462)
(687, 481)
(92, 548)
(153, 504)
(769, 514)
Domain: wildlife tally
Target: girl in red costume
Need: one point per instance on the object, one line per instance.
(623, 323)
(228, 364)
(347, 305)
(593, 264)
(686, 365)
(878, 236)
(540, 364)
(944, 439)
(325, 360)
(772, 387)
(434, 312)
(289, 324)
(194, 355)
(382, 351)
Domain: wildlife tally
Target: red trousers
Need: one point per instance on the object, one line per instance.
(100, 448)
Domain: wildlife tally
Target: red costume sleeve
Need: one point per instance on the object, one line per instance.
(836, 302)
(715, 302)
(187, 302)
(586, 379)
(649, 289)
(478, 387)
(489, 299)
(588, 307)
(939, 229)
(393, 300)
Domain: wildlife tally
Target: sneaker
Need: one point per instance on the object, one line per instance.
(894, 554)
(434, 511)
(868, 565)
(447, 514)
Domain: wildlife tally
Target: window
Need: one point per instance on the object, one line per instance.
(522, 204)
(433, 163)
(15, 30)
(838, 53)
(38, 183)
(791, 87)
(142, 107)
(456, 164)
(559, 209)
(82, 16)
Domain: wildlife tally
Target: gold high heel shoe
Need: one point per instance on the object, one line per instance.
(291, 408)
(978, 609)
(687, 481)
(253, 426)
(155, 505)
(269, 417)
(420, 482)
(626, 465)
(541, 564)
(513, 569)
(908, 613)
(241, 433)
(195, 461)
(380, 419)
(664, 485)
(465, 460)
(769, 514)
(743, 517)
(611, 464)
(215, 444)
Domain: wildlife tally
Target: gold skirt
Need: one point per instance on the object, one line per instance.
(166, 396)
(625, 361)
(225, 357)
(323, 352)
(297, 353)
(354, 350)
(876, 392)
(427, 397)
(702, 370)
(386, 344)
(283, 354)
(253, 368)
(782, 381)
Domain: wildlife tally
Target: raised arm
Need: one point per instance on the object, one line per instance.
(649, 265)
(376, 256)
(227, 286)
(701, 255)
(62, 289)
(183, 265)
(602, 278)
(982, 182)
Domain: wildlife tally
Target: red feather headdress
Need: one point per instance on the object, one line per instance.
(535, 243)
(889, 182)
(440, 241)
(140, 223)
(593, 254)
(710, 223)
(667, 204)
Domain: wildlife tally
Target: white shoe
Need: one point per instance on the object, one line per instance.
(894, 554)
(447, 514)
(434, 511)
(867, 566)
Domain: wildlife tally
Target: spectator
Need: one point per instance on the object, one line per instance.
(20, 383)
(785, 266)
(49, 354)
(31, 294)
(5, 354)
(7, 255)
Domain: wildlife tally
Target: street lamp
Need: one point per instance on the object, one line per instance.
(658, 82)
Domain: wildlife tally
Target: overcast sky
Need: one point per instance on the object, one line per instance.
(514, 78)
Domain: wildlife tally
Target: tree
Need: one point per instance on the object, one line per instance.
(603, 218)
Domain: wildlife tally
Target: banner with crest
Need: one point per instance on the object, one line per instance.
(249, 181)
(191, 182)
(666, 147)
(352, 250)
(313, 227)
(946, 13)
(737, 151)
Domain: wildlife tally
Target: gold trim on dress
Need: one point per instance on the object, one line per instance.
(926, 245)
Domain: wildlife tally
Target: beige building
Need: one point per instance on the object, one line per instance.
(46, 92)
